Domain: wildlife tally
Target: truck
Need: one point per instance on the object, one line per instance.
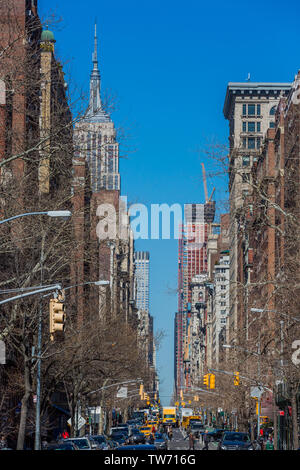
(169, 415)
(184, 416)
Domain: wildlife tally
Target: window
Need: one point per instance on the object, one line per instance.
(258, 127)
(251, 109)
(258, 110)
(273, 111)
(244, 126)
(251, 143)
(272, 125)
(251, 126)
(244, 110)
(244, 142)
(246, 160)
(258, 143)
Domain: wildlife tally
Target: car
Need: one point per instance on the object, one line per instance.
(62, 446)
(144, 447)
(137, 437)
(216, 434)
(82, 443)
(160, 441)
(100, 441)
(196, 428)
(120, 429)
(235, 441)
(146, 430)
(119, 438)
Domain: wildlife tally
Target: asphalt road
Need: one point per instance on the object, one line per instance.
(181, 442)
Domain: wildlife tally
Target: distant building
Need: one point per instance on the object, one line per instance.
(192, 261)
(142, 260)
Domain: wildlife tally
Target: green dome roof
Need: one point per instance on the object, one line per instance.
(47, 36)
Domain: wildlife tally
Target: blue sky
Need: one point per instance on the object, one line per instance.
(169, 62)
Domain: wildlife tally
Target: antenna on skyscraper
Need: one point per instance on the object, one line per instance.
(249, 77)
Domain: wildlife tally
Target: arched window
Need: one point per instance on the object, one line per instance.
(273, 111)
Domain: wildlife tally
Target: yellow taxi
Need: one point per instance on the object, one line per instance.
(153, 423)
(146, 430)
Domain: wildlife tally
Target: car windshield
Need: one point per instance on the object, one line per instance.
(81, 443)
(197, 425)
(99, 439)
(236, 437)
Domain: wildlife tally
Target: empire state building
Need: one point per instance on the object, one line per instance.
(95, 137)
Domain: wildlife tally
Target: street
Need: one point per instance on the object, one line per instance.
(180, 441)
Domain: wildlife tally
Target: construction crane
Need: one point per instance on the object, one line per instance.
(207, 200)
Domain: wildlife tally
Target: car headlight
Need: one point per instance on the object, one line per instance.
(251, 448)
(223, 447)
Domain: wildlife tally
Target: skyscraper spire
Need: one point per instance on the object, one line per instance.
(95, 111)
(95, 54)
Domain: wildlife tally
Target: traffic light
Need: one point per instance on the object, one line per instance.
(206, 380)
(57, 316)
(212, 381)
(236, 379)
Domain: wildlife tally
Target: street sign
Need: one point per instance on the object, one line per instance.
(80, 422)
(122, 392)
(256, 392)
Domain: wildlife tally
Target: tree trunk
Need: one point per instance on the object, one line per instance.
(24, 407)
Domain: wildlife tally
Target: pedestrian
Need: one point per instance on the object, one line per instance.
(153, 429)
(206, 440)
(269, 444)
(151, 438)
(170, 433)
(65, 434)
(3, 443)
(191, 441)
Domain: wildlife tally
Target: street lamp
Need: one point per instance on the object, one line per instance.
(63, 214)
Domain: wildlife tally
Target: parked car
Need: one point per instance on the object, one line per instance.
(236, 441)
(82, 443)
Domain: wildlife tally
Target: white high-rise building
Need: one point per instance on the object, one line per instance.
(142, 280)
(95, 137)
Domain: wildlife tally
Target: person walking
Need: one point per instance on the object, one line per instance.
(269, 444)
(206, 440)
(3, 443)
(191, 441)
